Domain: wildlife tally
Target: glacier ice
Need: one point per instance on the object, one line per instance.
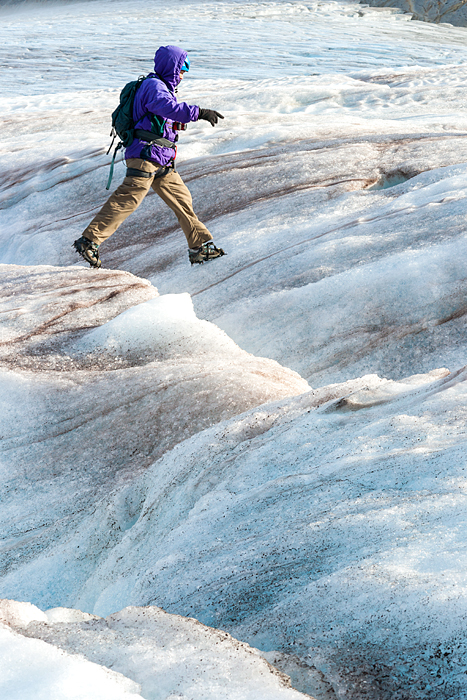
(64, 653)
(31, 668)
(93, 407)
(289, 526)
(445, 12)
(158, 447)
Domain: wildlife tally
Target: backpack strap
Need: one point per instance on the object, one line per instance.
(152, 139)
(111, 173)
(134, 172)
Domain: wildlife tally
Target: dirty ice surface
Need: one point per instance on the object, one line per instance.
(65, 653)
(160, 442)
(452, 12)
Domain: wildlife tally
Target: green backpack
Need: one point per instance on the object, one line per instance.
(123, 125)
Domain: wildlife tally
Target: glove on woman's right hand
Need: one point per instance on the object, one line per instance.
(210, 115)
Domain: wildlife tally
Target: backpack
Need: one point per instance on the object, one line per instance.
(122, 118)
(123, 125)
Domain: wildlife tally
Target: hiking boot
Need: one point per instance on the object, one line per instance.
(208, 251)
(88, 250)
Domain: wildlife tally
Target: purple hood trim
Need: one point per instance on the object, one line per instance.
(168, 63)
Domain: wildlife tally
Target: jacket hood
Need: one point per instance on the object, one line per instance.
(168, 63)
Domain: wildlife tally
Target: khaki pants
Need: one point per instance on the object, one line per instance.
(131, 193)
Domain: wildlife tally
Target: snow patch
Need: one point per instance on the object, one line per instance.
(152, 655)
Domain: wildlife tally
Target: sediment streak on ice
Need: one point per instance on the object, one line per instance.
(86, 409)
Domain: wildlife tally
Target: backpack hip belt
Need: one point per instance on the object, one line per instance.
(134, 172)
(151, 139)
(154, 140)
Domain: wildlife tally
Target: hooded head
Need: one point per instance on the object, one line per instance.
(168, 62)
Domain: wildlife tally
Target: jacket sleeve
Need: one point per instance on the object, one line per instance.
(165, 105)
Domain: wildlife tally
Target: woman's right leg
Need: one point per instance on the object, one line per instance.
(173, 191)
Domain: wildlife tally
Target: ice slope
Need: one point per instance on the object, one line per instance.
(152, 655)
(33, 669)
(441, 11)
(327, 529)
(340, 166)
(92, 407)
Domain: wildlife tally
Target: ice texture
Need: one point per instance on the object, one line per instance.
(160, 443)
(45, 308)
(440, 11)
(31, 668)
(338, 173)
(93, 407)
(329, 528)
(152, 655)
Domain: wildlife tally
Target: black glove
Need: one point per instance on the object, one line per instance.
(210, 115)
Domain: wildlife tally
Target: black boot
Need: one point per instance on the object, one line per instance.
(208, 251)
(88, 250)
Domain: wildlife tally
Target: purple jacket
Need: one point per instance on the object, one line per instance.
(156, 95)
